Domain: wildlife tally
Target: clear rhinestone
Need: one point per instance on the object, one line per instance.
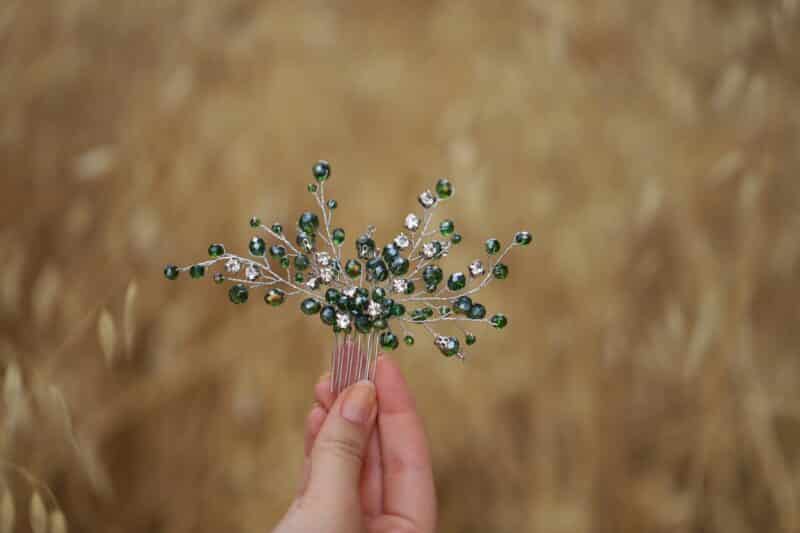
(476, 268)
(399, 285)
(326, 275)
(252, 273)
(412, 222)
(374, 310)
(233, 265)
(323, 258)
(402, 241)
(349, 292)
(342, 320)
(427, 199)
(429, 249)
(312, 283)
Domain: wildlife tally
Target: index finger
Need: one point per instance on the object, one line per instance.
(408, 489)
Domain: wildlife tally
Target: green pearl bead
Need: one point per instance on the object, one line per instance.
(499, 321)
(523, 237)
(332, 296)
(418, 315)
(500, 271)
(390, 251)
(255, 222)
(308, 222)
(333, 204)
(492, 246)
(277, 229)
(462, 304)
(216, 250)
(456, 238)
(470, 339)
(450, 347)
(444, 189)
(362, 324)
(398, 309)
(276, 250)
(285, 262)
(409, 340)
(301, 262)
(477, 311)
(447, 227)
(456, 281)
(352, 268)
(378, 294)
(399, 265)
(388, 340)
(197, 271)
(328, 315)
(257, 246)
(274, 297)
(321, 170)
(380, 323)
(218, 278)
(312, 187)
(171, 272)
(238, 294)
(338, 236)
(298, 278)
(377, 269)
(432, 274)
(310, 306)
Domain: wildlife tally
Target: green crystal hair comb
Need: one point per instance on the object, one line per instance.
(365, 300)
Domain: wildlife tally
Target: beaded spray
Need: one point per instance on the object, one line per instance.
(361, 304)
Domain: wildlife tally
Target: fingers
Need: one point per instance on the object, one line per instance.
(322, 392)
(338, 453)
(372, 478)
(408, 490)
(313, 424)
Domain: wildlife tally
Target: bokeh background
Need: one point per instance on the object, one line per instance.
(650, 376)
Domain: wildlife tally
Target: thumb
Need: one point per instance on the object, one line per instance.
(339, 450)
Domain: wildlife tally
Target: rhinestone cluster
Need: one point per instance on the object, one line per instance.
(378, 289)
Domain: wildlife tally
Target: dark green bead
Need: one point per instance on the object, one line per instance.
(447, 227)
(285, 262)
(328, 315)
(298, 278)
(444, 310)
(449, 347)
(492, 246)
(523, 237)
(432, 274)
(360, 302)
(444, 189)
(456, 238)
(197, 271)
(409, 340)
(462, 304)
(255, 222)
(398, 309)
(377, 270)
(333, 204)
(477, 311)
(171, 272)
(274, 297)
(409, 287)
(388, 340)
(343, 303)
(418, 315)
(432, 288)
(308, 222)
(238, 294)
(399, 265)
(312, 187)
(500, 271)
(216, 250)
(361, 291)
(380, 323)
(427, 311)
(218, 278)
(456, 281)
(378, 294)
(470, 339)
(310, 306)
(301, 262)
(363, 324)
(390, 251)
(338, 236)
(386, 308)
(365, 247)
(277, 229)
(321, 170)
(305, 240)
(257, 246)
(276, 250)
(332, 296)
(499, 321)
(352, 268)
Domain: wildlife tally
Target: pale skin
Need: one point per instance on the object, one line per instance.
(367, 464)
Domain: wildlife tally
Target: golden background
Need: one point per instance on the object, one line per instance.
(649, 379)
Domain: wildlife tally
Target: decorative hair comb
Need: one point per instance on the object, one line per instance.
(367, 299)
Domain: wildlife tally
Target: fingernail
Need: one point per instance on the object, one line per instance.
(359, 402)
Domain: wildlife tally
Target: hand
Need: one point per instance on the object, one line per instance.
(367, 464)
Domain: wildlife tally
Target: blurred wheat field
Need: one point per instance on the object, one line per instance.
(650, 376)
